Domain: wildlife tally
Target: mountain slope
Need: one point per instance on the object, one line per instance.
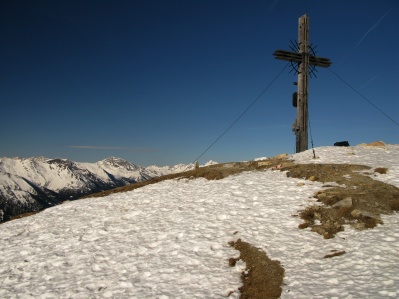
(32, 184)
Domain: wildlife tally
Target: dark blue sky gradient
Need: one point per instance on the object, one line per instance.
(156, 82)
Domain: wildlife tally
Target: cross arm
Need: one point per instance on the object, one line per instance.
(319, 61)
(297, 57)
(288, 56)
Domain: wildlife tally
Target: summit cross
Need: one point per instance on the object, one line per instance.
(300, 100)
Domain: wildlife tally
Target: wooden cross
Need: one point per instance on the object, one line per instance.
(304, 59)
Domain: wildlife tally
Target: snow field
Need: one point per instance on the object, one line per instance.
(169, 240)
(387, 156)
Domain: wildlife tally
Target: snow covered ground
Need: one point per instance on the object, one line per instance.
(169, 240)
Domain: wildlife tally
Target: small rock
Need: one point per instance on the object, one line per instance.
(232, 262)
(300, 184)
(312, 178)
(303, 225)
(345, 203)
(319, 230)
(360, 226)
(317, 216)
(359, 213)
(321, 195)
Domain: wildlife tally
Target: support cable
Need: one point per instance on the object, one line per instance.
(371, 103)
(242, 114)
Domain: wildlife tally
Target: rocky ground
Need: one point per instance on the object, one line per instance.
(349, 197)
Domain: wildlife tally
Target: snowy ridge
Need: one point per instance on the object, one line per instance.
(20, 188)
(35, 183)
(154, 170)
(169, 240)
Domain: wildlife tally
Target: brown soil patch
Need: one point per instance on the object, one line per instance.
(263, 277)
(334, 253)
(366, 199)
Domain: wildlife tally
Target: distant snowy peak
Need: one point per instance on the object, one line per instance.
(154, 170)
(118, 163)
(163, 170)
(55, 160)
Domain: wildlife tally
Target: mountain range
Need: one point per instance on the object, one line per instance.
(33, 184)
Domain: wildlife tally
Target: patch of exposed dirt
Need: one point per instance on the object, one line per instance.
(358, 200)
(263, 277)
(334, 254)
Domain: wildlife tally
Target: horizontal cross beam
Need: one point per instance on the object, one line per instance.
(297, 57)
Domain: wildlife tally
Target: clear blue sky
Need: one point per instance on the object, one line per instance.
(157, 82)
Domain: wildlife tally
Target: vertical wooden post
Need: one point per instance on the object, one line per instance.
(301, 123)
(300, 98)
